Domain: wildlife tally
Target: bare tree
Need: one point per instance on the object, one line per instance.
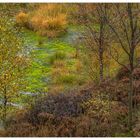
(95, 34)
(123, 20)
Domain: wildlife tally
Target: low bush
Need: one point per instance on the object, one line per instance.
(66, 79)
(90, 111)
(22, 19)
(56, 89)
(108, 116)
(71, 114)
(47, 20)
(58, 72)
(59, 64)
(58, 55)
(62, 104)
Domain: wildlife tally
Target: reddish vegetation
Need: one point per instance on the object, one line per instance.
(80, 113)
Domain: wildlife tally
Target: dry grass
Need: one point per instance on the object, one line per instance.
(78, 66)
(47, 19)
(22, 19)
(59, 64)
(56, 89)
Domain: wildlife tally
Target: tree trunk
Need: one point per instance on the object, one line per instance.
(131, 92)
(130, 95)
(101, 42)
(101, 63)
(5, 106)
(4, 117)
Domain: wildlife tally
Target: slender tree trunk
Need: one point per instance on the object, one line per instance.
(131, 92)
(4, 117)
(5, 106)
(130, 95)
(131, 60)
(101, 63)
(101, 67)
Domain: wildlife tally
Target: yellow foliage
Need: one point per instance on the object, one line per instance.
(12, 66)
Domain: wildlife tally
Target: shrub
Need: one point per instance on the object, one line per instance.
(124, 73)
(136, 128)
(58, 22)
(56, 89)
(58, 55)
(59, 64)
(64, 115)
(47, 19)
(77, 113)
(78, 66)
(2, 133)
(106, 115)
(81, 80)
(49, 126)
(22, 19)
(58, 72)
(40, 41)
(62, 104)
(66, 79)
(36, 23)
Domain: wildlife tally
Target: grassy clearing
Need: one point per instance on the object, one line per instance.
(53, 64)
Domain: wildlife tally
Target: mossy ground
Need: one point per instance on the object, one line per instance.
(40, 75)
(54, 64)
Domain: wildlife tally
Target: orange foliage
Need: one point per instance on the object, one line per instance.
(47, 19)
(22, 19)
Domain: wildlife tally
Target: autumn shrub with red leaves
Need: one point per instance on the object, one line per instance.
(98, 110)
(122, 85)
(72, 115)
(63, 104)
